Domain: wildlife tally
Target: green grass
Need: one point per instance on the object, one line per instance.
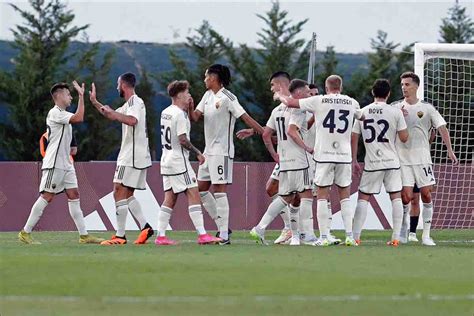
(62, 277)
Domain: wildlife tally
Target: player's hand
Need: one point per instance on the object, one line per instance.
(245, 133)
(404, 111)
(73, 151)
(93, 94)
(453, 157)
(309, 149)
(80, 89)
(191, 104)
(201, 158)
(356, 169)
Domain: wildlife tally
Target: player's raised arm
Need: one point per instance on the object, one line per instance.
(286, 100)
(78, 117)
(93, 98)
(194, 114)
(257, 128)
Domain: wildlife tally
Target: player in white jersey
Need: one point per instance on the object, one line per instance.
(382, 125)
(295, 185)
(415, 156)
(178, 175)
(133, 159)
(220, 109)
(279, 81)
(58, 173)
(334, 114)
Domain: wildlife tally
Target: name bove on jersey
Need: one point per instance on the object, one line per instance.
(291, 155)
(174, 158)
(379, 132)
(334, 115)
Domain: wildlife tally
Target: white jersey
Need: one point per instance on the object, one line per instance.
(310, 138)
(379, 132)
(292, 156)
(220, 111)
(135, 150)
(421, 117)
(174, 158)
(59, 140)
(334, 116)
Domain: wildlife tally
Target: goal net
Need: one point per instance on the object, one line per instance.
(446, 72)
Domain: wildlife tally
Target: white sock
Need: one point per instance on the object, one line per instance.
(397, 217)
(285, 216)
(195, 212)
(294, 219)
(136, 210)
(122, 211)
(427, 218)
(322, 215)
(209, 203)
(77, 216)
(404, 228)
(35, 214)
(359, 218)
(347, 217)
(276, 207)
(164, 216)
(330, 217)
(222, 214)
(306, 217)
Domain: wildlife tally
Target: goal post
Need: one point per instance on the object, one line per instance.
(446, 73)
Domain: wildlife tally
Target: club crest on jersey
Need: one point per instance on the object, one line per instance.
(218, 104)
(420, 114)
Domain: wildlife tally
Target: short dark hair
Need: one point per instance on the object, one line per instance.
(411, 75)
(381, 88)
(129, 78)
(312, 86)
(222, 72)
(279, 74)
(296, 84)
(176, 87)
(58, 86)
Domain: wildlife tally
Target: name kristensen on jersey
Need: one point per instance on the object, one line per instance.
(336, 101)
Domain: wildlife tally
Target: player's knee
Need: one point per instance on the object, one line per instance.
(47, 196)
(426, 196)
(72, 194)
(406, 197)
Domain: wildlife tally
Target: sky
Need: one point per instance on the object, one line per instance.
(347, 25)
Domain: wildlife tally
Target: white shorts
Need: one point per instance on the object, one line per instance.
(331, 173)
(421, 175)
(294, 181)
(180, 182)
(57, 180)
(216, 169)
(371, 181)
(276, 173)
(131, 177)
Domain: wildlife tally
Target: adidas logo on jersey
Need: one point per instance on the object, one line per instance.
(221, 178)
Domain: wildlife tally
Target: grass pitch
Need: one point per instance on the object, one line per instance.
(63, 277)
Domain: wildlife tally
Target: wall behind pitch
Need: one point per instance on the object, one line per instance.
(19, 182)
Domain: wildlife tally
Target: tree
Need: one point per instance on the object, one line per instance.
(43, 43)
(145, 91)
(328, 67)
(279, 49)
(457, 27)
(204, 45)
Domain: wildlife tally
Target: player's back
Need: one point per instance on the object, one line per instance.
(134, 149)
(334, 116)
(379, 132)
(174, 122)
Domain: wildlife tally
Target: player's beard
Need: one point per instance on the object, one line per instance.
(121, 93)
